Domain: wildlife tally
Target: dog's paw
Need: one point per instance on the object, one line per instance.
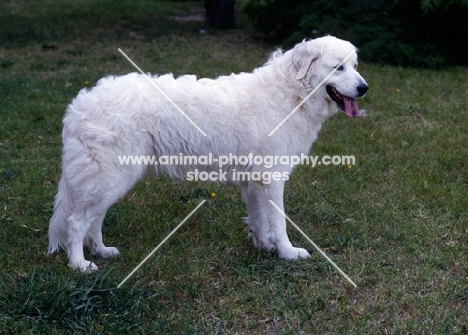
(293, 253)
(83, 266)
(106, 252)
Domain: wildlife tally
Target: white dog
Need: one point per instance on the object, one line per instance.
(127, 115)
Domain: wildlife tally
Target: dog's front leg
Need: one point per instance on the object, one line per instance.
(257, 220)
(278, 235)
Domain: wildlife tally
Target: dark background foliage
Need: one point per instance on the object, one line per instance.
(428, 33)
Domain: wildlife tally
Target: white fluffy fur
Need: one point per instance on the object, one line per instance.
(126, 115)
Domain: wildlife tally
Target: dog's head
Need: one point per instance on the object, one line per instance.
(331, 63)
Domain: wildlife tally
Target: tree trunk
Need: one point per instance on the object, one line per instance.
(220, 13)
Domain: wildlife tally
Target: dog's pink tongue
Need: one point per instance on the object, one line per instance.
(351, 107)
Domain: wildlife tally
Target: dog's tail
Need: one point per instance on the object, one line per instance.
(57, 225)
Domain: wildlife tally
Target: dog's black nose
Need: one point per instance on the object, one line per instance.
(362, 89)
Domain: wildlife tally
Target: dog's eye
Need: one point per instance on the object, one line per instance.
(339, 68)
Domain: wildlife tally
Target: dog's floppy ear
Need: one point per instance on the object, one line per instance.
(304, 58)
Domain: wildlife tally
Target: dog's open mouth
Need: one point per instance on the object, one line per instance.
(346, 104)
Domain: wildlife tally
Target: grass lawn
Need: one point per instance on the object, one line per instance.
(396, 222)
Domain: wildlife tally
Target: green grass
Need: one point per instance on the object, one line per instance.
(395, 222)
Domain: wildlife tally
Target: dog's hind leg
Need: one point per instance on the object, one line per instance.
(278, 234)
(92, 198)
(259, 226)
(93, 240)
(84, 229)
(85, 223)
(78, 225)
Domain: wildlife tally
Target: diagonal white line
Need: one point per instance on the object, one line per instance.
(315, 245)
(162, 92)
(160, 244)
(309, 95)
